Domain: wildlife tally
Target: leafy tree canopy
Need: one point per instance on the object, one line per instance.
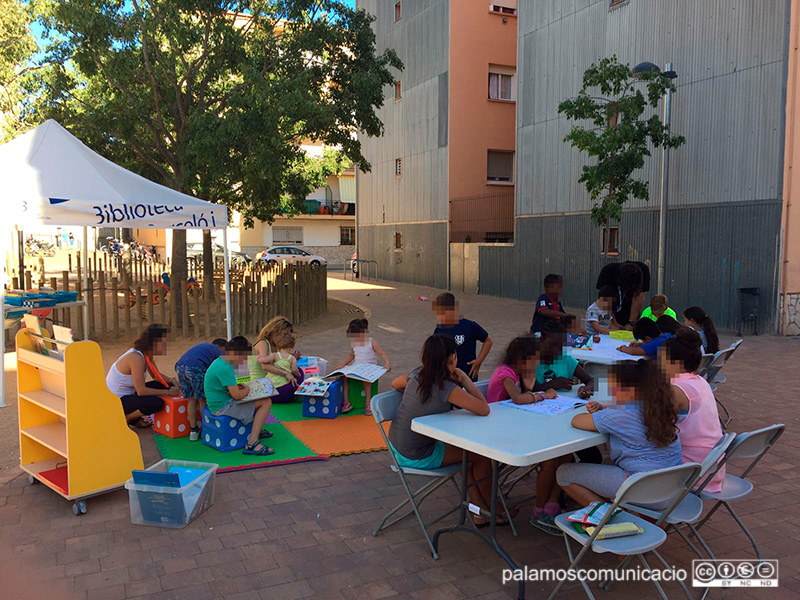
(214, 98)
(615, 133)
(17, 47)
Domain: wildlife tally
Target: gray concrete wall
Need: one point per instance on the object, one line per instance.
(724, 185)
(416, 129)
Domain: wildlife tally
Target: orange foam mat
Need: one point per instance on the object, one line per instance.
(342, 435)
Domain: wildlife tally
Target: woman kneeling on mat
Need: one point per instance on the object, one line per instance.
(126, 377)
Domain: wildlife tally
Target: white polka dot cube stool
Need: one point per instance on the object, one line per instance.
(328, 406)
(172, 420)
(223, 433)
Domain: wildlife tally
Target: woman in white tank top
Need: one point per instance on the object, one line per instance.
(126, 377)
(363, 351)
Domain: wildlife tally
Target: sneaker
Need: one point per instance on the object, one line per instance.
(546, 523)
(194, 434)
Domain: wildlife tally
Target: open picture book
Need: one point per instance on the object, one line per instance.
(259, 388)
(363, 372)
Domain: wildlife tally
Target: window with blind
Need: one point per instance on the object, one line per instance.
(499, 167)
(347, 236)
(398, 90)
(502, 84)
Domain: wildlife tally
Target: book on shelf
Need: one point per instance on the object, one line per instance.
(32, 324)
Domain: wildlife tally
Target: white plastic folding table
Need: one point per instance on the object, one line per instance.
(509, 436)
(599, 360)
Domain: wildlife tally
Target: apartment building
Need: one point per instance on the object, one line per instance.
(444, 169)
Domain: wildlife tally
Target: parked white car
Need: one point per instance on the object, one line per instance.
(293, 254)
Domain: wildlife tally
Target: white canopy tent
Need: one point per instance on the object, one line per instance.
(51, 178)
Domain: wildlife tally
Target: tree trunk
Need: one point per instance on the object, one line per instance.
(178, 275)
(126, 235)
(208, 266)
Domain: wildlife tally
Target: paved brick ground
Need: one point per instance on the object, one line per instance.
(303, 531)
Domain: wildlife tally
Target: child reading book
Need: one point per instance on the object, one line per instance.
(642, 430)
(601, 313)
(222, 392)
(466, 334)
(363, 350)
(191, 371)
(289, 375)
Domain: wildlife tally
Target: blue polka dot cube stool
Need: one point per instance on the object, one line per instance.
(223, 433)
(328, 406)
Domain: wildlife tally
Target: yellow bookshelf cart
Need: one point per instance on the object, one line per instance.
(73, 436)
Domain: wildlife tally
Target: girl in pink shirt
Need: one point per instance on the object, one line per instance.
(514, 379)
(698, 419)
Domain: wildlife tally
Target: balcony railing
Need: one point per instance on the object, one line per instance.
(316, 207)
(485, 218)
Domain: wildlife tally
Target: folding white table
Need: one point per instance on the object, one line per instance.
(598, 361)
(510, 436)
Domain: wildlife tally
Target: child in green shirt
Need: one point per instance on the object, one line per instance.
(659, 306)
(222, 393)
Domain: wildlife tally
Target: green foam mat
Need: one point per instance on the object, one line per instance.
(288, 449)
(293, 411)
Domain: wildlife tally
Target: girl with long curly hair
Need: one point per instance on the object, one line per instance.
(642, 431)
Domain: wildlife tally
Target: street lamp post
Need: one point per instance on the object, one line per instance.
(664, 192)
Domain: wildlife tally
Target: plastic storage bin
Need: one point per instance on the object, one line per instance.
(313, 366)
(174, 507)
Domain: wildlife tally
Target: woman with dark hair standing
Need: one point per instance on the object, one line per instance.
(632, 280)
(436, 387)
(126, 377)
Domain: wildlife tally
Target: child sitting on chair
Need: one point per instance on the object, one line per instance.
(290, 376)
(515, 378)
(222, 393)
(642, 430)
(363, 351)
(649, 336)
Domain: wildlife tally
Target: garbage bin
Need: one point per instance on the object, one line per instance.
(749, 300)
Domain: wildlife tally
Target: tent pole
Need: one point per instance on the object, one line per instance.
(3, 334)
(85, 283)
(227, 282)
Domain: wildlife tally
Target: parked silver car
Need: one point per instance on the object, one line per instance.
(277, 254)
(194, 251)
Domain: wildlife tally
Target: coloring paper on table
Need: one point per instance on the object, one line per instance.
(364, 372)
(550, 406)
(260, 388)
(313, 386)
(580, 342)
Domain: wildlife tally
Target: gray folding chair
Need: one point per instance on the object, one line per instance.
(690, 507)
(654, 487)
(755, 445)
(384, 407)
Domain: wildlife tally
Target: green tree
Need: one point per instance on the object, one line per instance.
(215, 98)
(616, 134)
(17, 47)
